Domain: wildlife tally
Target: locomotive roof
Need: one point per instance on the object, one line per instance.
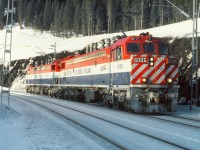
(140, 38)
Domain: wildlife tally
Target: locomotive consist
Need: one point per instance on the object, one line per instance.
(131, 72)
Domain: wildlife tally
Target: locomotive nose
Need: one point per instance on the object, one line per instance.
(155, 70)
(172, 70)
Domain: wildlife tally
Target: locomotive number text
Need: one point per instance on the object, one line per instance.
(173, 61)
(140, 60)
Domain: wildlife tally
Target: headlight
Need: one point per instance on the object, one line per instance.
(169, 80)
(151, 59)
(144, 80)
(151, 64)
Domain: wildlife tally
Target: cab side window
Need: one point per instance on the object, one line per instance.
(52, 67)
(63, 65)
(118, 53)
(133, 47)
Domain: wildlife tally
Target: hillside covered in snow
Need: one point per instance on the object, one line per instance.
(27, 42)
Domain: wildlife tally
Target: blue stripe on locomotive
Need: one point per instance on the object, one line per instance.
(101, 79)
(41, 81)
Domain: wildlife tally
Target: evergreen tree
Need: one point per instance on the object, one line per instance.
(37, 14)
(77, 17)
(1, 20)
(29, 15)
(90, 6)
(55, 28)
(118, 15)
(154, 16)
(58, 20)
(21, 8)
(100, 18)
(127, 14)
(137, 11)
(1, 17)
(169, 13)
(83, 19)
(110, 6)
(3, 5)
(47, 15)
(161, 11)
(146, 13)
(88, 17)
(68, 18)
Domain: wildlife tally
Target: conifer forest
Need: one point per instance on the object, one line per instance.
(66, 18)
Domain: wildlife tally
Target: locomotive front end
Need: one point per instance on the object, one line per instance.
(154, 76)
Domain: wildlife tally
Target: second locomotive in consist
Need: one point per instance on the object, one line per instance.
(134, 72)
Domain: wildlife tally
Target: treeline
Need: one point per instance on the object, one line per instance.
(66, 18)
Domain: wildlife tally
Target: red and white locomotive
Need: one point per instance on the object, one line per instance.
(131, 72)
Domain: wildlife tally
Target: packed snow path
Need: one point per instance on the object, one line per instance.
(123, 129)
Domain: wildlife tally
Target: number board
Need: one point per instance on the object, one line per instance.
(140, 60)
(173, 61)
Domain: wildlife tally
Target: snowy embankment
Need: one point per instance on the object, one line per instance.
(27, 42)
(11, 130)
(25, 127)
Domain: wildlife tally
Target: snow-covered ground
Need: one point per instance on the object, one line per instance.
(27, 42)
(25, 126)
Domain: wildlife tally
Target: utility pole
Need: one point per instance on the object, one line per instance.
(9, 13)
(142, 9)
(162, 16)
(194, 70)
(194, 67)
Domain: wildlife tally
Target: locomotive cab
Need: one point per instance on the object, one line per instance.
(43, 79)
(152, 78)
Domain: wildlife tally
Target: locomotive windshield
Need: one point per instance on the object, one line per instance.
(133, 47)
(163, 49)
(149, 48)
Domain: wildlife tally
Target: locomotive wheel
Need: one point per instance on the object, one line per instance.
(121, 106)
(110, 105)
(126, 105)
(41, 92)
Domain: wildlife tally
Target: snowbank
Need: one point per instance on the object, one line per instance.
(18, 84)
(7, 112)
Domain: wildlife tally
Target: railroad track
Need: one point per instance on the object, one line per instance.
(119, 125)
(186, 118)
(177, 120)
